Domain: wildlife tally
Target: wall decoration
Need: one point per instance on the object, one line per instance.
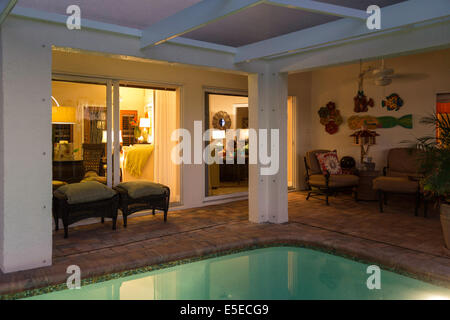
(330, 117)
(221, 120)
(362, 103)
(360, 100)
(385, 122)
(392, 102)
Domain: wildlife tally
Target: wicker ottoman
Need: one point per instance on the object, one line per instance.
(141, 195)
(77, 201)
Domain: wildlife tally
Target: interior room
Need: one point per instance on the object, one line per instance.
(79, 134)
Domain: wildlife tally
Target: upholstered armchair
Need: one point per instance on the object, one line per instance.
(401, 175)
(326, 184)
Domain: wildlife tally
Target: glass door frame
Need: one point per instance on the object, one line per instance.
(206, 118)
(109, 84)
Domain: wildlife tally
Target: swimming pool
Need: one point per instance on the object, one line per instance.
(267, 273)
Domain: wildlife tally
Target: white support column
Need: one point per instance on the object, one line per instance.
(268, 110)
(26, 151)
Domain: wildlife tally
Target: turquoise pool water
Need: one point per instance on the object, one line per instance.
(268, 273)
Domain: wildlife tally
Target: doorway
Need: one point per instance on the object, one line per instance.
(98, 123)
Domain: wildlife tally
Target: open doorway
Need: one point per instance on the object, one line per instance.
(146, 118)
(222, 112)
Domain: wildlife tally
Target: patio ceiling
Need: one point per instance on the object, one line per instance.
(247, 29)
(259, 22)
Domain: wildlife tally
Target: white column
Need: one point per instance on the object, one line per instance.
(268, 110)
(25, 151)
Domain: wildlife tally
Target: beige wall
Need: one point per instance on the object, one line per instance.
(225, 103)
(421, 77)
(191, 80)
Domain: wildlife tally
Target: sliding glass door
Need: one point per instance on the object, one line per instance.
(222, 112)
(110, 131)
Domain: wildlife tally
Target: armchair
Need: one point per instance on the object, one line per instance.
(401, 176)
(326, 184)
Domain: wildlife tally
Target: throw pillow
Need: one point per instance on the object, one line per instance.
(329, 162)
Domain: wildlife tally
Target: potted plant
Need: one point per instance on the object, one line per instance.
(435, 163)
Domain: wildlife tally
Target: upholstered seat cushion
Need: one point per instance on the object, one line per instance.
(140, 188)
(56, 184)
(85, 192)
(395, 184)
(340, 180)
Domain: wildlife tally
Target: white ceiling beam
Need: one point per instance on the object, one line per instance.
(393, 17)
(5, 8)
(113, 28)
(192, 18)
(321, 7)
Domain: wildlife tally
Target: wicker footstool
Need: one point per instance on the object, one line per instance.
(77, 201)
(141, 195)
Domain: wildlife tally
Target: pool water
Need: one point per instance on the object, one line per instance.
(268, 273)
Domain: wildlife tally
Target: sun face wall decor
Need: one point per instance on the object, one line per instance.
(330, 117)
(221, 121)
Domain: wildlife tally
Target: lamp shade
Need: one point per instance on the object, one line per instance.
(144, 123)
(64, 115)
(105, 136)
(243, 135)
(218, 134)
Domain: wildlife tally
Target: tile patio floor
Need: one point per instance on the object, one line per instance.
(395, 239)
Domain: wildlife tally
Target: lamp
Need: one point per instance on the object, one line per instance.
(144, 123)
(105, 138)
(218, 134)
(64, 115)
(243, 134)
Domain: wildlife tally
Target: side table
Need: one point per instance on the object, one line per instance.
(365, 189)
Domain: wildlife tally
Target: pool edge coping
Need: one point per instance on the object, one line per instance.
(219, 253)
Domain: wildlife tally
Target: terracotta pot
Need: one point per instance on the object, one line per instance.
(445, 222)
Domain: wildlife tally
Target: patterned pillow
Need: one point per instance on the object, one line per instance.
(329, 162)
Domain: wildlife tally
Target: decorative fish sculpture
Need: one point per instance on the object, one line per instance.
(385, 122)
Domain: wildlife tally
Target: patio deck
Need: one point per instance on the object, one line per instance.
(395, 239)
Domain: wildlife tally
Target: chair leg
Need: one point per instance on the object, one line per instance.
(103, 220)
(425, 207)
(56, 222)
(153, 211)
(114, 222)
(380, 200)
(66, 231)
(416, 209)
(385, 196)
(309, 195)
(326, 198)
(165, 215)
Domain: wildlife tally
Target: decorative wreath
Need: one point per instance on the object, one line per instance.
(221, 121)
(330, 117)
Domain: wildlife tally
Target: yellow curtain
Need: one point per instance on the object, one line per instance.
(166, 121)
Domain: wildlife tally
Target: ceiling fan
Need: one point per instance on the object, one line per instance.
(383, 76)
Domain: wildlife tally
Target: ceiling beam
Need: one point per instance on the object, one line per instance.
(321, 7)
(401, 15)
(192, 18)
(5, 8)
